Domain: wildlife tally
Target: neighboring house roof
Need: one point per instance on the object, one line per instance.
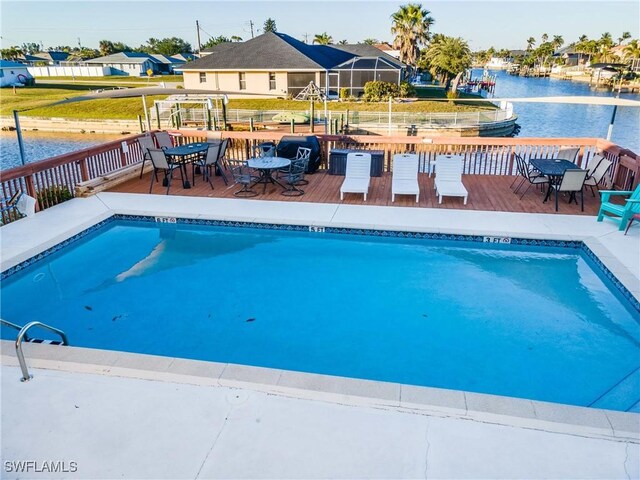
(279, 51)
(187, 57)
(366, 50)
(10, 64)
(53, 56)
(124, 57)
(32, 58)
(167, 59)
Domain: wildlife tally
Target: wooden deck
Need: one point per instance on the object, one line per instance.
(486, 192)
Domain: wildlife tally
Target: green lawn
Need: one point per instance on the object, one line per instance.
(115, 79)
(38, 100)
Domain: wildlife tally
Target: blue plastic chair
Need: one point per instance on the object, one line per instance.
(624, 212)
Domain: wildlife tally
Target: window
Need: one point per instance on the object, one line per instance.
(203, 77)
(272, 81)
(243, 80)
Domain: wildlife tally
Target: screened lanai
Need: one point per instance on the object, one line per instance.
(354, 73)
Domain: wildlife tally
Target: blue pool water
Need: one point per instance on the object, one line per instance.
(536, 323)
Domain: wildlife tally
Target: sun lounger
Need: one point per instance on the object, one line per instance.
(358, 175)
(449, 178)
(405, 176)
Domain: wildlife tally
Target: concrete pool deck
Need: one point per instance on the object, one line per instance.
(372, 436)
(130, 428)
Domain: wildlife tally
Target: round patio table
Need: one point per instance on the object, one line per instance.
(266, 166)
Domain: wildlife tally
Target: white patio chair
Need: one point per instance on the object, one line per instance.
(405, 175)
(164, 140)
(358, 174)
(448, 181)
(597, 174)
(568, 153)
(572, 182)
(145, 143)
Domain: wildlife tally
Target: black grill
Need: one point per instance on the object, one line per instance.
(288, 147)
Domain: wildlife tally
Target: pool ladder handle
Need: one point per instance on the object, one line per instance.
(22, 335)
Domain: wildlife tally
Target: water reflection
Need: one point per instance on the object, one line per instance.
(42, 145)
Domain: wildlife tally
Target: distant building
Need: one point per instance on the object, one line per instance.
(14, 73)
(44, 58)
(133, 64)
(275, 64)
(388, 49)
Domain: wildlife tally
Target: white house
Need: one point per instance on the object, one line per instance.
(133, 64)
(14, 73)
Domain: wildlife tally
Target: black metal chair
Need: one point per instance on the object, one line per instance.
(528, 174)
(243, 175)
(293, 178)
(162, 163)
(207, 161)
(9, 207)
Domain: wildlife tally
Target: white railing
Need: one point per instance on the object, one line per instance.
(200, 115)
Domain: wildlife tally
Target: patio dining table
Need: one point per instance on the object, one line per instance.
(185, 154)
(554, 169)
(266, 166)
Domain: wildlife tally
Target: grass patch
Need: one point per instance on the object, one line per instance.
(422, 106)
(98, 109)
(115, 79)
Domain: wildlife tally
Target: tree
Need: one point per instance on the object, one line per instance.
(504, 53)
(624, 37)
(235, 38)
(411, 26)
(632, 50)
(213, 41)
(370, 41)
(269, 25)
(343, 42)
(11, 53)
(530, 43)
(323, 39)
(105, 47)
(79, 54)
(166, 46)
(606, 40)
(446, 57)
(557, 41)
(30, 48)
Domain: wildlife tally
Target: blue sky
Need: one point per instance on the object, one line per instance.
(503, 24)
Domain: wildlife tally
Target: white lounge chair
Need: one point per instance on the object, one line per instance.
(358, 174)
(449, 179)
(405, 176)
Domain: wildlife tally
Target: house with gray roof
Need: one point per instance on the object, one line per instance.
(276, 64)
(134, 64)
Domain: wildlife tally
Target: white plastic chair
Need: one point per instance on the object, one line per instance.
(358, 174)
(448, 181)
(405, 175)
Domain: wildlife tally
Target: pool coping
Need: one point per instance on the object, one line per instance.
(481, 407)
(486, 408)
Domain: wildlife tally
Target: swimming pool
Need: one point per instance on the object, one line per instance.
(536, 322)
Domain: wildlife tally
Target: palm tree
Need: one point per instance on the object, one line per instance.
(632, 50)
(544, 38)
(582, 38)
(323, 39)
(370, 41)
(343, 42)
(606, 39)
(105, 47)
(557, 41)
(235, 38)
(625, 36)
(530, 43)
(447, 57)
(411, 29)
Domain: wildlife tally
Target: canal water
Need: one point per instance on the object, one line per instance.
(535, 120)
(565, 120)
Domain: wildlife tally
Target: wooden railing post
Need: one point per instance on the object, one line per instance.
(123, 156)
(84, 169)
